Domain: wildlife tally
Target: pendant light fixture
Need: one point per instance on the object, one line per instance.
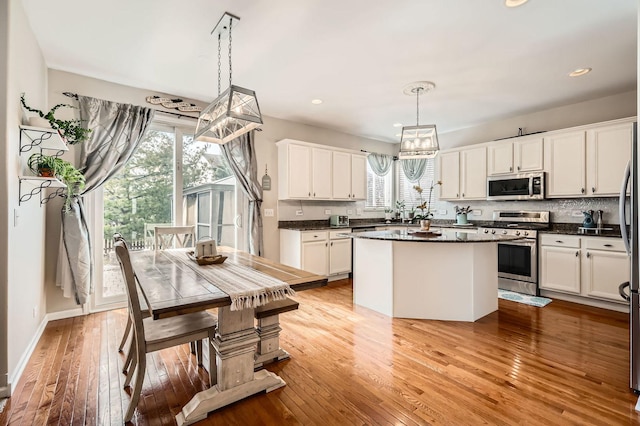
(418, 141)
(235, 111)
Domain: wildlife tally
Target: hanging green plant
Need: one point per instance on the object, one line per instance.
(71, 130)
(51, 166)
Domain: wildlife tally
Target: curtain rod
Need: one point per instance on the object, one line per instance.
(369, 152)
(177, 114)
(75, 96)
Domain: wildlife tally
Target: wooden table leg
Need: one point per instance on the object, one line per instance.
(234, 346)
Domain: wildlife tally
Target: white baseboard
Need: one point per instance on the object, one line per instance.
(69, 313)
(34, 341)
(24, 359)
(5, 392)
(620, 307)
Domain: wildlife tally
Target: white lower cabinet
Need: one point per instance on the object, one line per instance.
(320, 252)
(591, 267)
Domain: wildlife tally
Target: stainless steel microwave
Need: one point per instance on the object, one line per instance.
(523, 186)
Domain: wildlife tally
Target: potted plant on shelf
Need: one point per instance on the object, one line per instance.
(70, 130)
(388, 212)
(50, 166)
(425, 217)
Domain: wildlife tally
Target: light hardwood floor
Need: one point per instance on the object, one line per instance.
(562, 364)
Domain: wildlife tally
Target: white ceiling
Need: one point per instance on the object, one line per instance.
(488, 61)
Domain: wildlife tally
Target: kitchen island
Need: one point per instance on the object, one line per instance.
(439, 275)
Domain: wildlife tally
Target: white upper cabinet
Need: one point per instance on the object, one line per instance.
(515, 156)
(565, 163)
(320, 173)
(449, 167)
(473, 173)
(608, 151)
(297, 161)
(500, 158)
(463, 174)
(341, 175)
(589, 162)
(358, 177)
(528, 155)
(316, 172)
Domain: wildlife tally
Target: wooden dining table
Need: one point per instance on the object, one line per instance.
(170, 286)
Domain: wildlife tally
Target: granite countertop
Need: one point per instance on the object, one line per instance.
(432, 237)
(554, 228)
(574, 229)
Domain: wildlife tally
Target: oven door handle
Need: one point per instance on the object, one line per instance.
(530, 187)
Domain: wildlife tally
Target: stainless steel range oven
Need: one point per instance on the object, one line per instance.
(518, 260)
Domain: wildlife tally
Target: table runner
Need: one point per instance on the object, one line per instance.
(246, 287)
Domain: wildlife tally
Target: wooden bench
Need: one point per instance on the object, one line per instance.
(268, 329)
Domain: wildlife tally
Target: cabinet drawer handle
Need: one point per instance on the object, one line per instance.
(332, 244)
(518, 168)
(608, 245)
(588, 255)
(577, 253)
(314, 194)
(582, 190)
(560, 241)
(510, 169)
(326, 244)
(309, 194)
(593, 189)
(456, 194)
(463, 194)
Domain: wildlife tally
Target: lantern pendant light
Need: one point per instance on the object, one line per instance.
(235, 111)
(418, 141)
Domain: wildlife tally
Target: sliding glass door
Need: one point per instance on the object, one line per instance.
(170, 180)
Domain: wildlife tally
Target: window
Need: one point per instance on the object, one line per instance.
(378, 189)
(409, 195)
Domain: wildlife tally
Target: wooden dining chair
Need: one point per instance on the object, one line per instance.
(174, 236)
(151, 335)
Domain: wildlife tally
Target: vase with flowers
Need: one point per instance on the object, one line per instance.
(461, 215)
(425, 205)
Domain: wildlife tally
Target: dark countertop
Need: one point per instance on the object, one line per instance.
(432, 237)
(555, 228)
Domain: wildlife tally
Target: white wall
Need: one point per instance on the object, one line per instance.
(25, 258)
(4, 232)
(620, 105)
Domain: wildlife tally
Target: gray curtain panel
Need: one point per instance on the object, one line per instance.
(380, 163)
(116, 131)
(414, 169)
(241, 156)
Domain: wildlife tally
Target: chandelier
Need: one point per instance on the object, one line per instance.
(418, 141)
(235, 111)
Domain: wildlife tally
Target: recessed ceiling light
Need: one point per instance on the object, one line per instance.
(514, 3)
(397, 124)
(580, 71)
(316, 101)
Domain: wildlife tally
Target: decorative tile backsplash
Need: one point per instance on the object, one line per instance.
(562, 210)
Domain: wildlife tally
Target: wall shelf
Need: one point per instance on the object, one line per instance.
(34, 185)
(43, 138)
